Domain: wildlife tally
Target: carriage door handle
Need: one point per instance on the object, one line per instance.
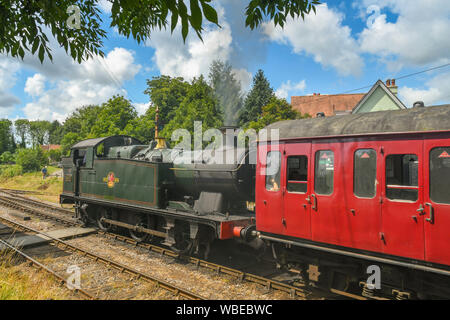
(431, 218)
(314, 206)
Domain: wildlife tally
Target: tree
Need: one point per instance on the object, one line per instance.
(200, 104)
(259, 96)
(7, 142)
(39, 132)
(166, 93)
(227, 90)
(27, 24)
(68, 141)
(31, 159)
(113, 117)
(22, 127)
(276, 110)
(81, 120)
(55, 134)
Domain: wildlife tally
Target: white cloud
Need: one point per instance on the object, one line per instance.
(287, 87)
(35, 85)
(8, 77)
(105, 5)
(418, 37)
(141, 108)
(323, 36)
(436, 93)
(175, 58)
(91, 82)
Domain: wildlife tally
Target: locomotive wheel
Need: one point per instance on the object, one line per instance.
(139, 236)
(104, 213)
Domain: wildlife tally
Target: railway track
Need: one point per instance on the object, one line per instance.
(98, 259)
(238, 275)
(34, 263)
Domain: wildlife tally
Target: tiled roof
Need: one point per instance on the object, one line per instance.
(328, 104)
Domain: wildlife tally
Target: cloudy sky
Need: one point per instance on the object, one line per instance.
(347, 45)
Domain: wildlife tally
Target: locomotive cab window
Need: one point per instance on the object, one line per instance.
(402, 172)
(297, 174)
(324, 172)
(440, 175)
(273, 164)
(365, 173)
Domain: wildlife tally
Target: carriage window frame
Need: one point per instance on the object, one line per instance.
(401, 185)
(356, 174)
(431, 165)
(317, 166)
(295, 181)
(276, 176)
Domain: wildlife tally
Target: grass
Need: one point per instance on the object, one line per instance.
(48, 188)
(18, 281)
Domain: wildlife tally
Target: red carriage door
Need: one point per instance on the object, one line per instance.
(437, 200)
(269, 198)
(362, 181)
(402, 222)
(326, 195)
(297, 210)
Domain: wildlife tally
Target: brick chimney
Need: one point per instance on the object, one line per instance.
(390, 83)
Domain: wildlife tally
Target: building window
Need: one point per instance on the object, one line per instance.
(365, 173)
(402, 177)
(440, 175)
(297, 174)
(273, 165)
(324, 172)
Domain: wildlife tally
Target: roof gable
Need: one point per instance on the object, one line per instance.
(379, 88)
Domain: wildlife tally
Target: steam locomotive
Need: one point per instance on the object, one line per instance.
(335, 198)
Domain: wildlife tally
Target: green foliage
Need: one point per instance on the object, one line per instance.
(68, 141)
(200, 104)
(11, 171)
(227, 90)
(54, 155)
(276, 110)
(31, 159)
(7, 142)
(113, 117)
(26, 24)
(56, 132)
(7, 157)
(39, 132)
(277, 10)
(23, 22)
(259, 96)
(22, 127)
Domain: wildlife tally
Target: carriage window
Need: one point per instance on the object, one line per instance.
(297, 174)
(324, 172)
(440, 175)
(402, 172)
(273, 170)
(365, 173)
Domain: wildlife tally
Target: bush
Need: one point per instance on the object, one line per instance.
(11, 171)
(54, 155)
(31, 159)
(7, 157)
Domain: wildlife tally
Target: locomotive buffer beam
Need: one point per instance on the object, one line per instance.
(134, 228)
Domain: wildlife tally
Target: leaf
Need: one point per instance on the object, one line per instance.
(41, 53)
(174, 21)
(35, 45)
(210, 13)
(196, 15)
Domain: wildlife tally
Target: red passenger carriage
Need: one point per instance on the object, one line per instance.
(373, 187)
